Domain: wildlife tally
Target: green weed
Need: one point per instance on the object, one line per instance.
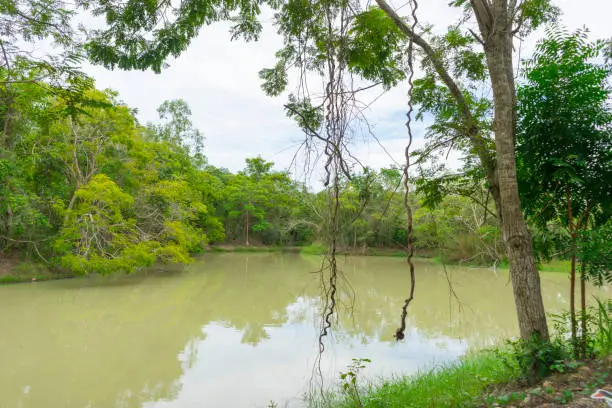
(453, 385)
(313, 249)
(602, 338)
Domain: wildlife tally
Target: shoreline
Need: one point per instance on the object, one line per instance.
(14, 270)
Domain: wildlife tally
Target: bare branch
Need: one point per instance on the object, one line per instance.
(476, 37)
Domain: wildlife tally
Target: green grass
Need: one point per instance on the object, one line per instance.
(319, 249)
(557, 265)
(462, 384)
(313, 249)
(246, 249)
(396, 253)
(11, 279)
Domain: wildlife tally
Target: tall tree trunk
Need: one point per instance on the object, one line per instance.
(495, 22)
(582, 224)
(573, 322)
(523, 271)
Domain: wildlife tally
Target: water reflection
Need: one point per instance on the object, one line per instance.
(234, 330)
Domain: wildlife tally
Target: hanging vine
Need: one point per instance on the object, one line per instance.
(400, 332)
(336, 125)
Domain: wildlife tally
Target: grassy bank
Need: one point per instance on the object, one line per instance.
(561, 266)
(457, 385)
(252, 248)
(16, 271)
(312, 249)
(494, 377)
(483, 379)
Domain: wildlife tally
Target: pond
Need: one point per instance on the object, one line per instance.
(239, 330)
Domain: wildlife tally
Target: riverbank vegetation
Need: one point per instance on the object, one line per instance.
(496, 377)
(86, 188)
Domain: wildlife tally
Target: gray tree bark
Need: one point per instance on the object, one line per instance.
(495, 22)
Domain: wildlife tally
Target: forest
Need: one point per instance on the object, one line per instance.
(89, 189)
(86, 188)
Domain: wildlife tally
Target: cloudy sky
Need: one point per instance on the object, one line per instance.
(218, 79)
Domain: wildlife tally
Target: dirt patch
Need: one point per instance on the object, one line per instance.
(572, 389)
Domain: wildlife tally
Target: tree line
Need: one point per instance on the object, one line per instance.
(89, 189)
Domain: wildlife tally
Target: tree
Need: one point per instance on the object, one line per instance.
(308, 40)
(258, 200)
(565, 144)
(98, 235)
(86, 189)
(498, 21)
(23, 22)
(178, 129)
(448, 61)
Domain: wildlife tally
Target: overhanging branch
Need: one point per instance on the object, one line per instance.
(472, 129)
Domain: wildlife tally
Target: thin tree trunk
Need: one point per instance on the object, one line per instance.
(582, 224)
(246, 229)
(570, 226)
(573, 321)
(583, 328)
(523, 271)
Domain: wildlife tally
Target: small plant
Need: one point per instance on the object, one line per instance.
(537, 358)
(599, 380)
(565, 397)
(349, 380)
(602, 338)
(508, 399)
(597, 340)
(563, 366)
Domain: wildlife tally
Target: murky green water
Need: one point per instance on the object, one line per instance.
(236, 330)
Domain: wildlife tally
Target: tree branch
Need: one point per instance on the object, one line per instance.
(471, 125)
(484, 15)
(476, 37)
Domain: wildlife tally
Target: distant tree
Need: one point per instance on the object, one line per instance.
(259, 201)
(176, 127)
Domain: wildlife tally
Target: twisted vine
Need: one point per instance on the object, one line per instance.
(400, 332)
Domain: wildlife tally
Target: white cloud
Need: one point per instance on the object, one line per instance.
(219, 79)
